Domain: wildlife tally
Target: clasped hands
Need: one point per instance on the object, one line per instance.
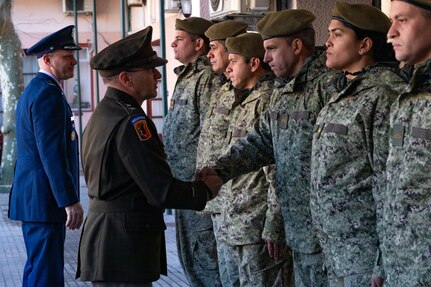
(210, 177)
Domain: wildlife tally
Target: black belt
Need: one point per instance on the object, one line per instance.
(119, 205)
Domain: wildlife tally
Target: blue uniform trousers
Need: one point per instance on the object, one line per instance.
(44, 243)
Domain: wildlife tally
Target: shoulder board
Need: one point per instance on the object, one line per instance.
(128, 107)
(51, 82)
(139, 123)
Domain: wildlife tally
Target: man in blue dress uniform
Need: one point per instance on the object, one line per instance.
(45, 192)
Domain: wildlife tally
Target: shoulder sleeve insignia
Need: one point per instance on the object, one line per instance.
(140, 125)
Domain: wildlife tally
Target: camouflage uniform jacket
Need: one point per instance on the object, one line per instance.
(349, 152)
(182, 126)
(407, 209)
(250, 211)
(213, 136)
(284, 134)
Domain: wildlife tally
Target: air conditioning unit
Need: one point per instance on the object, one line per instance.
(82, 6)
(259, 5)
(221, 8)
(171, 6)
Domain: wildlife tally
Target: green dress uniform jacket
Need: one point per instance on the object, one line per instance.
(407, 209)
(129, 185)
(349, 152)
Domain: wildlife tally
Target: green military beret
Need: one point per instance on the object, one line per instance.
(424, 4)
(132, 52)
(193, 25)
(247, 44)
(223, 30)
(285, 23)
(362, 16)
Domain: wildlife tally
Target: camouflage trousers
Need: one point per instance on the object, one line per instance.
(309, 269)
(356, 280)
(250, 265)
(227, 276)
(197, 249)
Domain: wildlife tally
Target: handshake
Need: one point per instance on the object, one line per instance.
(210, 177)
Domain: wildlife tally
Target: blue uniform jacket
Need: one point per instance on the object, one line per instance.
(46, 172)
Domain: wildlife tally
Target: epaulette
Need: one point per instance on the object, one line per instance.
(128, 107)
(52, 82)
(138, 120)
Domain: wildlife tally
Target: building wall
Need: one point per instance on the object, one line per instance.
(386, 5)
(323, 11)
(35, 19)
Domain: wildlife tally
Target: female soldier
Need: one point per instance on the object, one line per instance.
(350, 143)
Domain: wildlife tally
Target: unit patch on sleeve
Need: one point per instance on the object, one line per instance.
(141, 127)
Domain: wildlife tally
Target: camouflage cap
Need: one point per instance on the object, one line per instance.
(285, 23)
(424, 4)
(247, 44)
(132, 52)
(362, 16)
(193, 25)
(60, 40)
(223, 30)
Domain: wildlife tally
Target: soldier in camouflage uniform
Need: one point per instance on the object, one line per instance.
(283, 135)
(195, 238)
(215, 126)
(251, 224)
(407, 204)
(350, 144)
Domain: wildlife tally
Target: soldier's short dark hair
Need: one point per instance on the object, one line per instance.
(263, 64)
(194, 37)
(307, 37)
(381, 50)
(109, 79)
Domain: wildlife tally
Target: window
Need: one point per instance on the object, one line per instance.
(70, 87)
(69, 5)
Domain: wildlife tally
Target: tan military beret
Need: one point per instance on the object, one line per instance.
(127, 54)
(363, 16)
(285, 23)
(193, 25)
(247, 44)
(424, 4)
(223, 30)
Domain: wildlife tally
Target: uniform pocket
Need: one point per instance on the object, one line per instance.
(205, 250)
